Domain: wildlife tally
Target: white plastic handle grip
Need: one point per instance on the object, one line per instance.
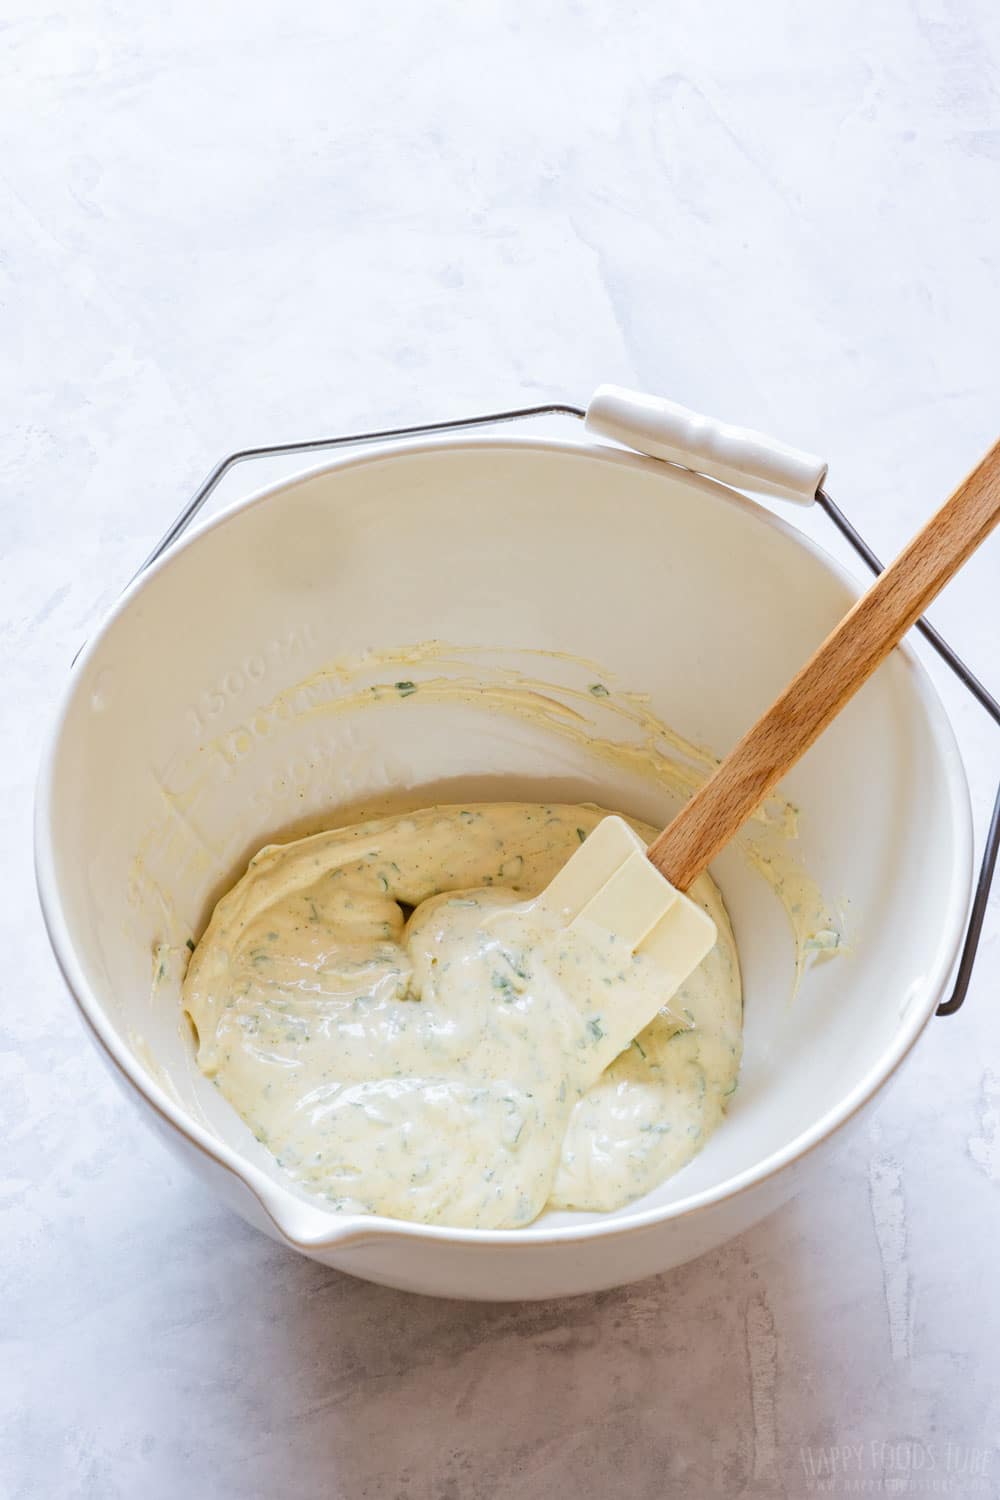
(736, 455)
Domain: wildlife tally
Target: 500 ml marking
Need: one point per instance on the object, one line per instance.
(254, 668)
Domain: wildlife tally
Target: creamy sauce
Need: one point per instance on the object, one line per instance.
(410, 1034)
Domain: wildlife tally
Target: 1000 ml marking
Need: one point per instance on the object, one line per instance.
(213, 700)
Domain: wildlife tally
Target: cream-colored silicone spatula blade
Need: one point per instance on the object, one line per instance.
(615, 885)
(609, 883)
(610, 895)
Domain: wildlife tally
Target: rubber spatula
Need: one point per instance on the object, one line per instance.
(614, 884)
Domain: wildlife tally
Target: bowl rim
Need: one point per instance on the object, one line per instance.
(283, 1205)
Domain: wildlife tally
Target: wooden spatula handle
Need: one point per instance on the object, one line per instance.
(844, 661)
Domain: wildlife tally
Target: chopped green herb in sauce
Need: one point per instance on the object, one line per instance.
(517, 1082)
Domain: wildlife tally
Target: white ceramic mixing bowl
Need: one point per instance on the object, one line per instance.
(170, 764)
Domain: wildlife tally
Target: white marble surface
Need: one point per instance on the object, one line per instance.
(229, 222)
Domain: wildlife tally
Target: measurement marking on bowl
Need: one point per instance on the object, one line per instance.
(212, 700)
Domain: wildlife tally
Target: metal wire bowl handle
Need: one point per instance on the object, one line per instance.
(950, 657)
